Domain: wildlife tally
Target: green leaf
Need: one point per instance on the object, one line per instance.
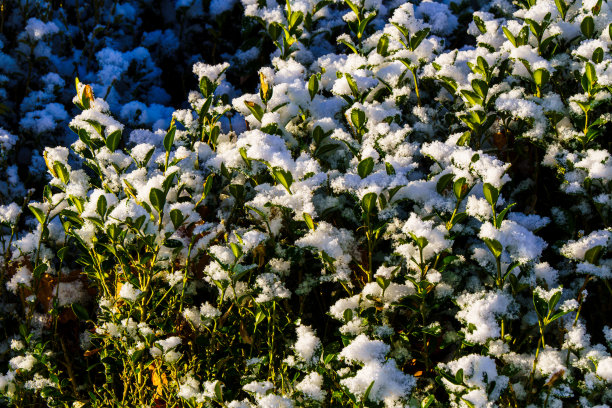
(510, 36)
(236, 250)
(558, 315)
(326, 148)
(417, 38)
(502, 215)
(102, 205)
(596, 9)
(468, 403)
(427, 401)
(77, 202)
(214, 134)
(206, 87)
(167, 184)
(480, 87)
(472, 97)
(368, 202)
(347, 315)
(592, 255)
(285, 178)
(383, 45)
(205, 106)
(40, 216)
(366, 395)
(458, 188)
(207, 186)
(352, 84)
(402, 30)
(383, 282)
(358, 118)
(494, 246)
(39, 270)
(541, 306)
(318, 134)
(313, 86)
(587, 26)
(562, 7)
(329, 357)
(61, 172)
(491, 194)
(80, 312)
(169, 138)
(237, 191)
(363, 24)
(464, 139)
(353, 7)
(586, 107)
(158, 199)
(541, 76)
(61, 253)
(309, 221)
(259, 317)
(598, 55)
(365, 167)
(389, 168)
(218, 392)
(511, 268)
(590, 73)
(94, 124)
(480, 24)
(176, 216)
(459, 376)
(554, 299)
(523, 36)
(112, 141)
(422, 242)
(255, 109)
(173, 243)
(351, 46)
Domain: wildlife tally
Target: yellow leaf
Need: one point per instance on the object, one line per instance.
(49, 165)
(264, 84)
(157, 380)
(88, 92)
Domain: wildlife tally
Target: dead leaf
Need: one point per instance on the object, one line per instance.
(244, 334)
(157, 380)
(88, 92)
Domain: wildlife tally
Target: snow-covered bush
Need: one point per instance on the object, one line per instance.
(392, 210)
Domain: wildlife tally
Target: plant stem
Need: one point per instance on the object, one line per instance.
(416, 85)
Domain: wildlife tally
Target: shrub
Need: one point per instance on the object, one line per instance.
(400, 215)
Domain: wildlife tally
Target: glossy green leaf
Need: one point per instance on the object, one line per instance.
(169, 138)
(112, 141)
(313, 86)
(176, 216)
(365, 167)
(494, 246)
(62, 172)
(309, 221)
(458, 188)
(587, 26)
(358, 118)
(157, 199)
(102, 205)
(491, 194)
(80, 312)
(368, 202)
(285, 178)
(480, 24)
(40, 216)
